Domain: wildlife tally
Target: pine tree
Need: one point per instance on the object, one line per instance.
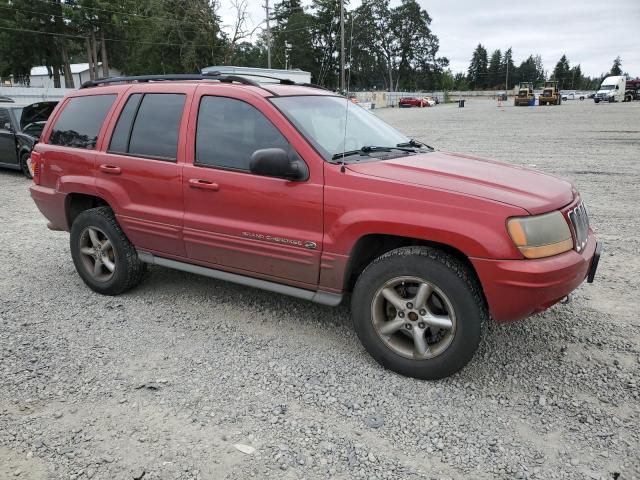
(561, 72)
(495, 77)
(616, 69)
(478, 68)
(509, 67)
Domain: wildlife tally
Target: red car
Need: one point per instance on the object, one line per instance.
(406, 102)
(264, 185)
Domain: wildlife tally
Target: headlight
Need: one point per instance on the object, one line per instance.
(540, 236)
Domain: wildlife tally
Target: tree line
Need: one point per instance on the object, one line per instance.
(387, 47)
(493, 72)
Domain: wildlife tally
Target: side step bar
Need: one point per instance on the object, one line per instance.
(321, 297)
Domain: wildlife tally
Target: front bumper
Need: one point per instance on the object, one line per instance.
(516, 289)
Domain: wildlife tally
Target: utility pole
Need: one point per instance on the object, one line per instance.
(342, 82)
(506, 81)
(266, 6)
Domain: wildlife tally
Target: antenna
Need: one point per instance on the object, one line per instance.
(266, 6)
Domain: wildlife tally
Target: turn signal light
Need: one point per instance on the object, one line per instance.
(36, 166)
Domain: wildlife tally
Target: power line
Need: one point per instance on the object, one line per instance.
(66, 17)
(68, 35)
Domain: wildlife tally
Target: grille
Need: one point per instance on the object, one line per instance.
(580, 221)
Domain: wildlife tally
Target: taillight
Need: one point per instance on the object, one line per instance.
(36, 166)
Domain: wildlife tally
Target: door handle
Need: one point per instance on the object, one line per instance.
(112, 169)
(203, 184)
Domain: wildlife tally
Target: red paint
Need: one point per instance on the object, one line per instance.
(258, 226)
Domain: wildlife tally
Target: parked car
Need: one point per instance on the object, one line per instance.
(406, 102)
(296, 190)
(4, 99)
(20, 128)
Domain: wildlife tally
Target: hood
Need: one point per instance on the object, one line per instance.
(36, 112)
(534, 191)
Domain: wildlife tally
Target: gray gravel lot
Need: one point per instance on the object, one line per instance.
(162, 382)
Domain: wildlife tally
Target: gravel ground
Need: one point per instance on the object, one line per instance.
(191, 378)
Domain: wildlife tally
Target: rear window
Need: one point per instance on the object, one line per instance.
(148, 126)
(79, 123)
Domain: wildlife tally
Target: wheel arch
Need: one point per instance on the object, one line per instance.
(76, 203)
(370, 246)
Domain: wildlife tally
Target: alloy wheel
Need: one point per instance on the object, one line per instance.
(97, 254)
(413, 317)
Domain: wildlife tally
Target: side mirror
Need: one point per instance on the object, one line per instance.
(274, 162)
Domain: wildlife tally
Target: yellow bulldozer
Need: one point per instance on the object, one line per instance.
(550, 94)
(525, 95)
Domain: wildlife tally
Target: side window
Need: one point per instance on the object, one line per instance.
(4, 118)
(148, 126)
(79, 123)
(122, 132)
(229, 131)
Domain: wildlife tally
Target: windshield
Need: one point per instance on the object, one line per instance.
(321, 119)
(607, 87)
(547, 92)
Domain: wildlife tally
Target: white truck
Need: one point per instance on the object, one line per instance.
(611, 90)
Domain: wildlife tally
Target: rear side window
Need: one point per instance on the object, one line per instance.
(79, 123)
(230, 130)
(148, 126)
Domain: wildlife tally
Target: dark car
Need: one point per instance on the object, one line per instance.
(20, 128)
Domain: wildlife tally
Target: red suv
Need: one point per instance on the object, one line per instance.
(296, 190)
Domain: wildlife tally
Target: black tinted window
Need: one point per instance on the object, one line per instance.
(120, 137)
(229, 131)
(79, 123)
(4, 118)
(156, 125)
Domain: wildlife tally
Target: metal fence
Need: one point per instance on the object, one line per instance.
(379, 99)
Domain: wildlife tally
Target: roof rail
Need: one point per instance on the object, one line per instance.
(220, 77)
(172, 77)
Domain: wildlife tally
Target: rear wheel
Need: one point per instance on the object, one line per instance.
(24, 164)
(103, 256)
(419, 312)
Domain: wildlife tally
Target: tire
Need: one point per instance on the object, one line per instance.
(455, 298)
(24, 166)
(596, 100)
(119, 267)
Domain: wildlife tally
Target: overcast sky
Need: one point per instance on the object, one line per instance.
(590, 32)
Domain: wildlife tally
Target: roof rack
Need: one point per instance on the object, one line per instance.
(171, 78)
(220, 77)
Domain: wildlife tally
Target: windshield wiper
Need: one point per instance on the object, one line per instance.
(370, 149)
(415, 143)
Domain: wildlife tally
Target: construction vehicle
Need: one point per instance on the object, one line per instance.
(525, 96)
(550, 94)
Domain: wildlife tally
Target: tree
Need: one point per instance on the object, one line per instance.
(529, 71)
(561, 72)
(495, 76)
(509, 67)
(616, 69)
(478, 68)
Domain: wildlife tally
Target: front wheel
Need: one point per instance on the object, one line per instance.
(103, 256)
(419, 312)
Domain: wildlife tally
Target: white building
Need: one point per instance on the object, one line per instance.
(39, 76)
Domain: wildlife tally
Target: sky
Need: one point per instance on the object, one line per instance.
(590, 32)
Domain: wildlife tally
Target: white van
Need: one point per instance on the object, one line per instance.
(611, 90)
